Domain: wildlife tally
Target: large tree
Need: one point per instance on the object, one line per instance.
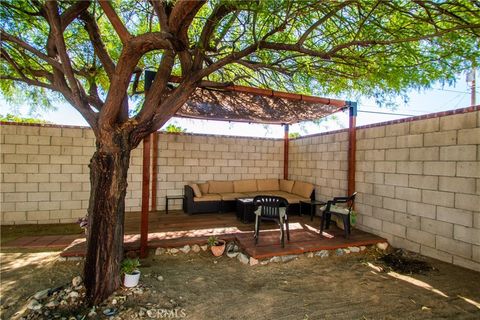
(92, 54)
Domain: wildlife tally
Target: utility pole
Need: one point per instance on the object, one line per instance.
(471, 79)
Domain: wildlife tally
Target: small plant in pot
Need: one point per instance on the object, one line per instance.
(130, 272)
(216, 246)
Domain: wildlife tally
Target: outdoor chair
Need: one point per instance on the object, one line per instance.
(271, 208)
(342, 212)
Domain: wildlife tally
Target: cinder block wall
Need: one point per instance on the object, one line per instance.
(418, 181)
(45, 176)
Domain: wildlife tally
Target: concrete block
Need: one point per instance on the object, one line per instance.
(49, 150)
(395, 204)
(38, 215)
(466, 234)
(15, 158)
(43, 140)
(372, 223)
(455, 247)
(384, 190)
(436, 254)
(466, 263)
(427, 125)
(366, 144)
(385, 166)
(394, 229)
(469, 136)
(396, 179)
(74, 151)
(437, 227)
(385, 143)
(38, 196)
(445, 138)
(476, 220)
(375, 132)
(399, 242)
(60, 214)
(422, 237)
(6, 148)
(458, 121)
(60, 196)
(15, 177)
(26, 206)
(397, 154)
(26, 149)
(397, 129)
(438, 198)
(60, 159)
(372, 155)
(468, 169)
(421, 209)
(70, 204)
(463, 185)
(14, 197)
(410, 141)
(439, 168)
(14, 216)
(48, 205)
(26, 168)
(49, 131)
(407, 220)
(469, 202)
(61, 141)
(456, 216)
(383, 214)
(423, 182)
(410, 194)
(476, 253)
(8, 129)
(38, 158)
(410, 167)
(458, 153)
(425, 154)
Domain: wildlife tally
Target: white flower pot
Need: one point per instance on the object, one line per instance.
(131, 280)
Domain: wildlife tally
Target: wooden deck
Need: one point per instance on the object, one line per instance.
(178, 229)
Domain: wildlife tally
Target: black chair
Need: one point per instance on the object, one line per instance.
(341, 212)
(271, 208)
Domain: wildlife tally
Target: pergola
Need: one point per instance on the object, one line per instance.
(245, 104)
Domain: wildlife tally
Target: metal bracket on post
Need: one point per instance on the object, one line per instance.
(352, 108)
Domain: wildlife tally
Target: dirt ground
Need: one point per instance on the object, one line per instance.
(200, 286)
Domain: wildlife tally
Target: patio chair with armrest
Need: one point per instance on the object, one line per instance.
(271, 208)
(342, 212)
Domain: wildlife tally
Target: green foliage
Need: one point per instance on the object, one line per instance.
(129, 265)
(293, 135)
(171, 128)
(213, 241)
(13, 118)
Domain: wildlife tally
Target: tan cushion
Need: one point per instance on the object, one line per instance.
(231, 196)
(208, 197)
(245, 186)
(220, 186)
(293, 198)
(286, 185)
(268, 185)
(204, 187)
(196, 190)
(303, 189)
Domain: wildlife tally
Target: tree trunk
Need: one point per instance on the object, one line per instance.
(108, 179)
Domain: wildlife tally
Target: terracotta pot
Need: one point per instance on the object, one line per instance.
(218, 249)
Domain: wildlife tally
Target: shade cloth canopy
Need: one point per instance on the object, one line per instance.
(255, 105)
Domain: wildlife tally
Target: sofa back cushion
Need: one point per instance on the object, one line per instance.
(245, 185)
(286, 185)
(268, 185)
(302, 189)
(204, 187)
(196, 190)
(220, 186)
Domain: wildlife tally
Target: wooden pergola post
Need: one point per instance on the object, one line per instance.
(352, 142)
(145, 198)
(285, 153)
(154, 170)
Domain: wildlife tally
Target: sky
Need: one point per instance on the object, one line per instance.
(438, 98)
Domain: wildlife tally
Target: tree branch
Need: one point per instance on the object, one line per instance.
(115, 21)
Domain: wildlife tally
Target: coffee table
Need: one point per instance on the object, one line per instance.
(313, 206)
(245, 210)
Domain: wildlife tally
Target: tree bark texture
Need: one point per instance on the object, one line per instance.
(108, 180)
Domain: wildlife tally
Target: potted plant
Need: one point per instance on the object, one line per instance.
(216, 246)
(130, 272)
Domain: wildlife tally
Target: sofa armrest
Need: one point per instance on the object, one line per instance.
(188, 199)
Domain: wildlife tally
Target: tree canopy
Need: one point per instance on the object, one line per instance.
(79, 50)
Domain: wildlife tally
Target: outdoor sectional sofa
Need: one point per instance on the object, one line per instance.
(220, 196)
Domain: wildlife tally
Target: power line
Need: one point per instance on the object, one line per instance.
(389, 113)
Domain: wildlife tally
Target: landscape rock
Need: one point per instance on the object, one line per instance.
(264, 262)
(160, 278)
(40, 295)
(276, 259)
(160, 251)
(173, 250)
(309, 254)
(289, 258)
(52, 304)
(322, 254)
(77, 281)
(73, 294)
(362, 248)
(339, 252)
(253, 261)
(204, 247)
(232, 254)
(34, 305)
(382, 246)
(347, 251)
(243, 258)
(354, 249)
(185, 249)
(196, 248)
